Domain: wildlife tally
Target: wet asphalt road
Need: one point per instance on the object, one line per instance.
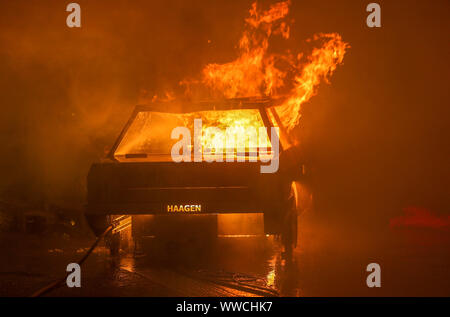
(231, 267)
(328, 262)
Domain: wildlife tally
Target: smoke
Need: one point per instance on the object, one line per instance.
(376, 135)
(66, 93)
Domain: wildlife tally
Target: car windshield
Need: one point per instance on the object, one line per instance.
(240, 132)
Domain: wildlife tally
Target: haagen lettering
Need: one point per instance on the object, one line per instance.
(184, 208)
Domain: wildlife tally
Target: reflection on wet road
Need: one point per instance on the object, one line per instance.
(228, 266)
(329, 261)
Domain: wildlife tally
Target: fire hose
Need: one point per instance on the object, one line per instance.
(227, 279)
(58, 283)
(242, 282)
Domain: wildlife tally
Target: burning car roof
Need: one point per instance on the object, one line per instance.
(186, 106)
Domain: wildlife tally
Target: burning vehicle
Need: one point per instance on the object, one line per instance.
(140, 177)
(257, 91)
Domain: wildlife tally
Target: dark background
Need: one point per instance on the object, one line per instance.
(378, 135)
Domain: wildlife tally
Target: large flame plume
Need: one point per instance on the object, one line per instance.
(291, 79)
(256, 72)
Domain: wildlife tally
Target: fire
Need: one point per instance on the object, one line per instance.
(256, 72)
(292, 79)
(322, 63)
(221, 133)
(253, 73)
(223, 130)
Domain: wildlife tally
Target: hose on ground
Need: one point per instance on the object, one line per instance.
(58, 283)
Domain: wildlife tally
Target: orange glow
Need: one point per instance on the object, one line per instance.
(289, 79)
(256, 72)
(321, 65)
(253, 73)
(237, 131)
(420, 218)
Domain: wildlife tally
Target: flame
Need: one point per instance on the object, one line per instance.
(223, 130)
(221, 133)
(255, 71)
(321, 65)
